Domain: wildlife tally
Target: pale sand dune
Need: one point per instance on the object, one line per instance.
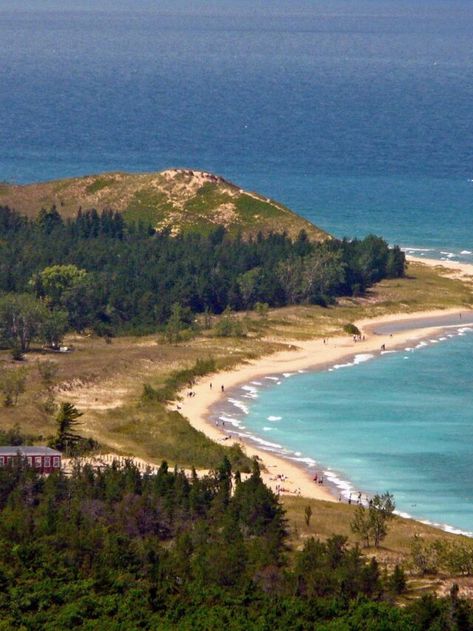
(457, 269)
(305, 355)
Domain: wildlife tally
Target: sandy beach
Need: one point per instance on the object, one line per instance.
(281, 474)
(458, 269)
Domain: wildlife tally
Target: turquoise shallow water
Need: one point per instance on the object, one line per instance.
(399, 422)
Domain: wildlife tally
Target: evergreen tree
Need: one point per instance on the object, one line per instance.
(67, 420)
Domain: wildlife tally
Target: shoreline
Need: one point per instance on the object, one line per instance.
(282, 474)
(453, 269)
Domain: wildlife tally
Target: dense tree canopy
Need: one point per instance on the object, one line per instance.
(111, 276)
(117, 549)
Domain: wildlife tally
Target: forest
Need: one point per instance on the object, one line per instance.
(117, 549)
(98, 272)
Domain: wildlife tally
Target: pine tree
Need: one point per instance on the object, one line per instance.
(67, 420)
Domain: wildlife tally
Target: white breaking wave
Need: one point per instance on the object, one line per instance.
(362, 357)
(251, 392)
(228, 419)
(408, 249)
(266, 443)
(358, 359)
(274, 418)
(308, 461)
(240, 405)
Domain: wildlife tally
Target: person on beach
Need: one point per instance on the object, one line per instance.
(211, 385)
(222, 388)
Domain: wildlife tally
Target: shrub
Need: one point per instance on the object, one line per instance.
(229, 325)
(177, 380)
(351, 329)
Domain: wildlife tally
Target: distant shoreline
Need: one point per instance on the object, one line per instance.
(311, 355)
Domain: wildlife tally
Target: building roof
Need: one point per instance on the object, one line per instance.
(24, 450)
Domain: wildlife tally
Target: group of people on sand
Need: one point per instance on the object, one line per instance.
(281, 477)
(191, 393)
(318, 479)
(359, 338)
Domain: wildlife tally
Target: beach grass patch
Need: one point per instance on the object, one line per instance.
(98, 184)
(148, 207)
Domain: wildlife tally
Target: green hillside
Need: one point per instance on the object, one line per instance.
(182, 200)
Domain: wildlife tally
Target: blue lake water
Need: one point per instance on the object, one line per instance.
(356, 113)
(399, 422)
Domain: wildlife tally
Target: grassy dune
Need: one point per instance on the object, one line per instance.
(182, 200)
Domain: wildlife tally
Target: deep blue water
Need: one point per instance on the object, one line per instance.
(401, 422)
(356, 114)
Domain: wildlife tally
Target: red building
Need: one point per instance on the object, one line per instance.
(43, 459)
